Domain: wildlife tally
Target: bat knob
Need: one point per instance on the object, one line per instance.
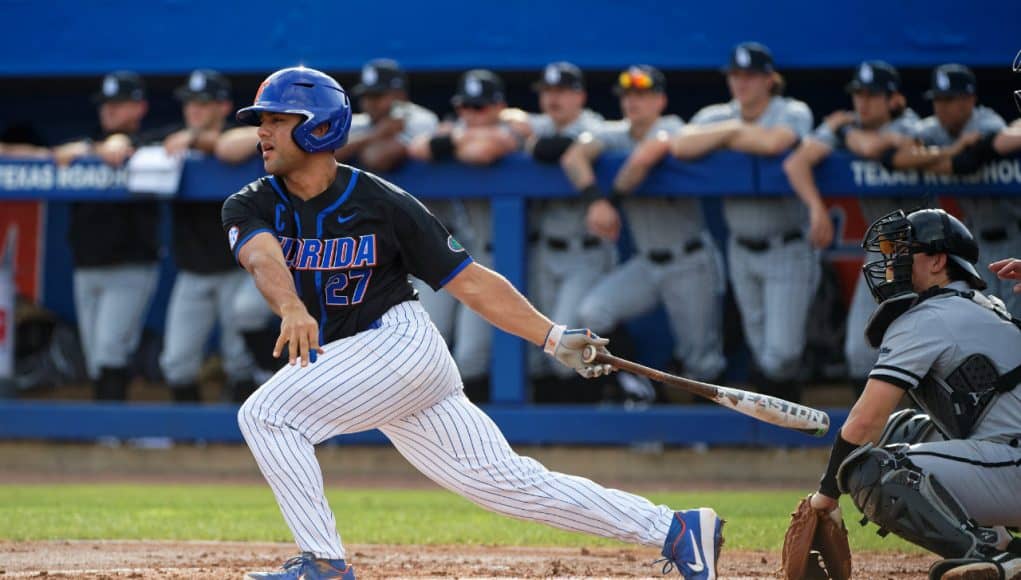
(588, 354)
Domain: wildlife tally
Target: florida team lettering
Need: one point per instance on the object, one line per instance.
(329, 254)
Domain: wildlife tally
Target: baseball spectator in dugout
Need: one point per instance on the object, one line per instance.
(207, 277)
(114, 245)
(388, 121)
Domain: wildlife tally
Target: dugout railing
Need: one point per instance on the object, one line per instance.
(508, 184)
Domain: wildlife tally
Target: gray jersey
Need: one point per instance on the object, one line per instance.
(873, 208)
(564, 218)
(656, 223)
(763, 217)
(982, 212)
(937, 336)
(417, 121)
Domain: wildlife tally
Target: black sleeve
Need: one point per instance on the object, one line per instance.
(549, 149)
(243, 218)
(974, 156)
(429, 251)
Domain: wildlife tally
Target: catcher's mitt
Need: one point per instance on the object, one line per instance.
(822, 535)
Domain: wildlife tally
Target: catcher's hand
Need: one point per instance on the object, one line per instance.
(824, 534)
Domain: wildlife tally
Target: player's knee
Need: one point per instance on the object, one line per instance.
(909, 426)
(251, 417)
(899, 497)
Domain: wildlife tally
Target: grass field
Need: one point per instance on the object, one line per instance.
(756, 520)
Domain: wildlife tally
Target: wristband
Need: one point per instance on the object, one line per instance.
(549, 149)
(441, 147)
(553, 338)
(592, 193)
(841, 449)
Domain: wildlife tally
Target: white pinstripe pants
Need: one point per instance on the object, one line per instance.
(401, 379)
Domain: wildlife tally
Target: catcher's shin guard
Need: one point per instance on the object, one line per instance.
(899, 497)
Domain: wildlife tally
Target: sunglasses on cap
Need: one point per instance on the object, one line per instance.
(635, 79)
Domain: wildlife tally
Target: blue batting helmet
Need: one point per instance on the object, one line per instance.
(308, 92)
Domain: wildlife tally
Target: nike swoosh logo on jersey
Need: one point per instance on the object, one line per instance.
(341, 219)
(696, 566)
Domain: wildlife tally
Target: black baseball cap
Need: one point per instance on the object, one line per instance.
(560, 74)
(478, 87)
(379, 76)
(204, 85)
(121, 85)
(640, 77)
(750, 56)
(951, 80)
(875, 76)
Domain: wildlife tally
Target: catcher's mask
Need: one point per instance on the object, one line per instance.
(898, 237)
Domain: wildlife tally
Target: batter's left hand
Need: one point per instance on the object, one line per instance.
(568, 346)
(299, 332)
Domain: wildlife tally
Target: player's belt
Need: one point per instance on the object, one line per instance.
(667, 256)
(763, 244)
(562, 244)
(996, 234)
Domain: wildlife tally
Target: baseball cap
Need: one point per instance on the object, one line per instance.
(379, 76)
(204, 85)
(640, 77)
(750, 56)
(121, 85)
(478, 87)
(951, 80)
(875, 76)
(560, 74)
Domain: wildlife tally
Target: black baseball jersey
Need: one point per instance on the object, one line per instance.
(350, 248)
(111, 233)
(197, 231)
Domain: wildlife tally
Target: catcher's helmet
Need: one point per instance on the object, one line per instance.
(897, 236)
(308, 92)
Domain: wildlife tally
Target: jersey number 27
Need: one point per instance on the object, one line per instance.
(337, 283)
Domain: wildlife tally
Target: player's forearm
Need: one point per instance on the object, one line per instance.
(496, 300)
(869, 144)
(237, 145)
(577, 167)
(1008, 141)
(756, 140)
(383, 155)
(693, 142)
(802, 181)
(274, 281)
(481, 152)
(917, 157)
(639, 164)
(354, 147)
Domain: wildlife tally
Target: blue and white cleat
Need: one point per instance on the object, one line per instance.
(308, 567)
(693, 544)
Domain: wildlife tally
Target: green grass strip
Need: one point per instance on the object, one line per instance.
(756, 520)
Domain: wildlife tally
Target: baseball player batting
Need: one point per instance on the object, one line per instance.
(330, 248)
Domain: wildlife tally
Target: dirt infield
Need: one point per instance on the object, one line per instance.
(216, 560)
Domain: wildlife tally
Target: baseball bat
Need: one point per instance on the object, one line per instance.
(765, 408)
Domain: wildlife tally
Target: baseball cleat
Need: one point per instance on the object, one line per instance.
(308, 567)
(1000, 567)
(693, 544)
